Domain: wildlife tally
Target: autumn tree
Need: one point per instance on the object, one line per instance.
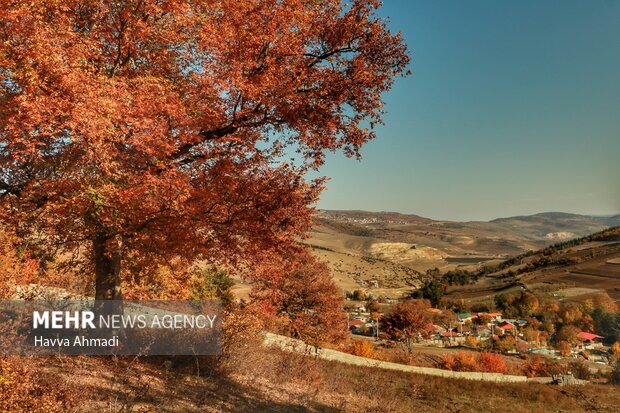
(568, 334)
(299, 291)
(525, 305)
(408, 322)
(139, 131)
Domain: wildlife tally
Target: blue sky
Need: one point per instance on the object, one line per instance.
(513, 108)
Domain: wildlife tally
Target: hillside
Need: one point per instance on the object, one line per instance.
(270, 380)
(388, 251)
(569, 270)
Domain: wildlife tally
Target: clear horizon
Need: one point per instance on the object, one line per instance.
(512, 109)
(474, 220)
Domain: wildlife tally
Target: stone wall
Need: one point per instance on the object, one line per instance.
(290, 344)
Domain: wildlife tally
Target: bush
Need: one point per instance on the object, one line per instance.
(580, 369)
(492, 362)
(538, 366)
(462, 361)
(363, 348)
(466, 361)
(506, 344)
(471, 341)
(22, 390)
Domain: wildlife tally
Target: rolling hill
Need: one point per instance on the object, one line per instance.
(388, 251)
(570, 270)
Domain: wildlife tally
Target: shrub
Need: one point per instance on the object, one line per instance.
(363, 348)
(471, 341)
(492, 362)
(506, 344)
(538, 366)
(580, 369)
(21, 390)
(462, 361)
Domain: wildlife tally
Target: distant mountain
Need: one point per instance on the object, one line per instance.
(612, 221)
(556, 226)
(538, 227)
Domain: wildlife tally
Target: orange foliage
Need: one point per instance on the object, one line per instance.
(24, 390)
(467, 361)
(409, 321)
(564, 348)
(492, 362)
(538, 366)
(462, 361)
(138, 132)
(15, 268)
(363, 348)
(299, 291)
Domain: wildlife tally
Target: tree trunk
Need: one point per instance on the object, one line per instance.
(107, 268)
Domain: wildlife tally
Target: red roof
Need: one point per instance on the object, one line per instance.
(588, 336)
(505, 325)
(356, 323)
(449, 334)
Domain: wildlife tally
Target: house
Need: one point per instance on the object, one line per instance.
(589, 339)
(494, 316)
(439, 329)
(462, 317)
(355, 325)
(360, 308)
(489, 316)
(449, 338)
(505, 327)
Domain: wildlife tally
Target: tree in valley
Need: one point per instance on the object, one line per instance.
(138, 132)
(432, 290)
(408, 322)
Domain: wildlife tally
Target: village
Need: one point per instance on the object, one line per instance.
(452, 332)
